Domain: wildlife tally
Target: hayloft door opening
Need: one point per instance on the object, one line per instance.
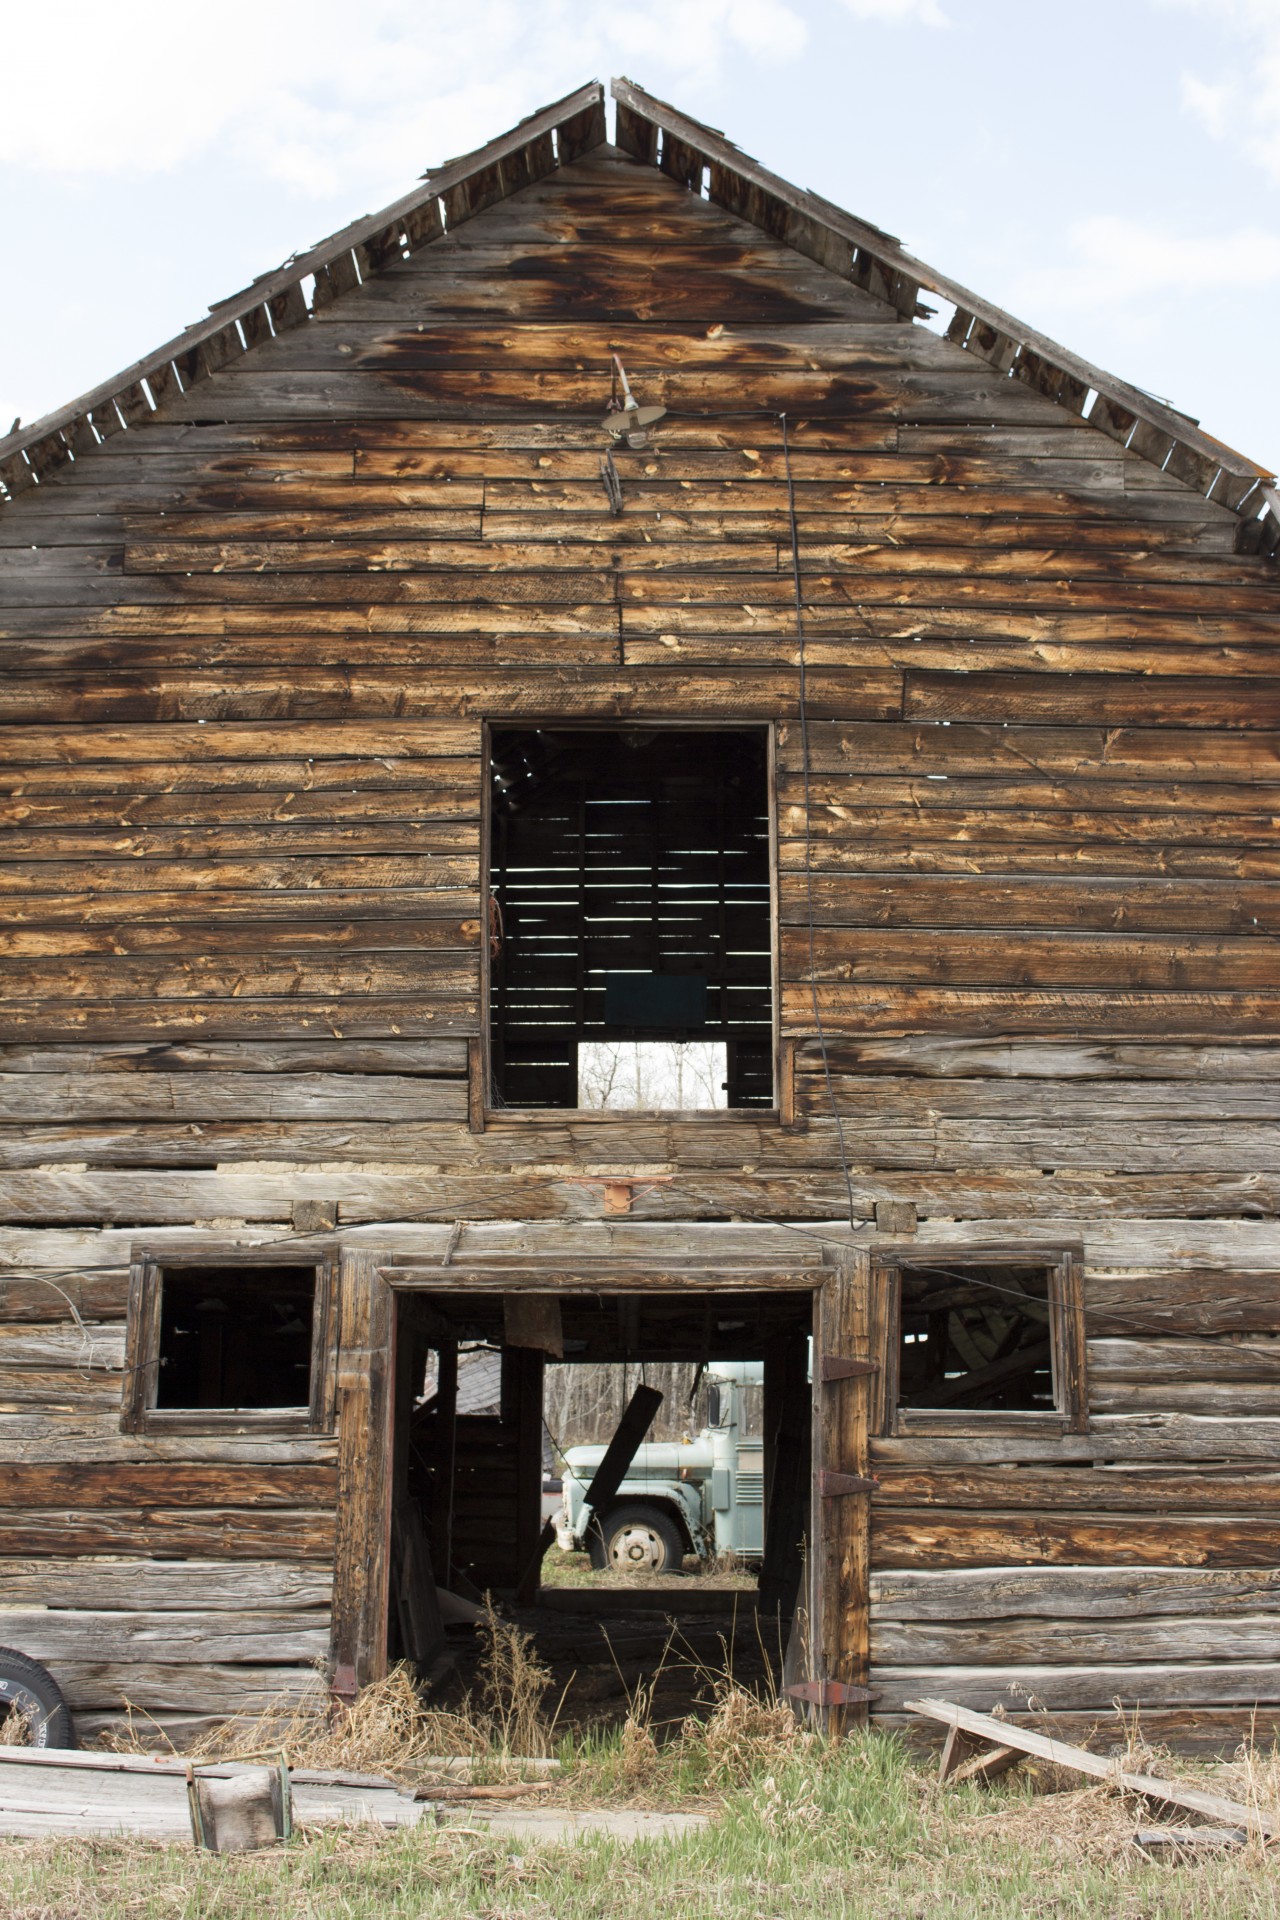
(630, 926)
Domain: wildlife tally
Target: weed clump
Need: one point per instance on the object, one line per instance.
(746, 1736)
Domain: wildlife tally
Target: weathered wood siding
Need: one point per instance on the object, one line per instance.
(248, 653)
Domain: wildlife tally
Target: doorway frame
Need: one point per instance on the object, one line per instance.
(838, 1583)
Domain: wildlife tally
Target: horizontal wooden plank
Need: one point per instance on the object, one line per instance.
(1154, 1362)
(401, 1058)
(1076, 1594)
(90, 1435)
(1217, 1683)
(1038, 1011)
(231, 1533)
(1134, 905)
(163, 1586)
(1057, 748)
(1036, 1102)
(958, 1539)
(1229, 1399)
(189, 744)
(1058, 1642)
(1151, 1436)
(212, 1096)
(1204, 1730)
(1064, 1489)
(130, 786)
(474, 1178)
(930, 1057)
(1202, 702)
(171, 1021)
(168, 1484)
(186, 1688)
(98, 1637)
(213, 977)
(312, 692)
(1199, 1303)
(426, 839)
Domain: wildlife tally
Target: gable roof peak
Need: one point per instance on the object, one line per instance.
(697, 157)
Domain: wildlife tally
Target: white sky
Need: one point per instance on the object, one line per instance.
(1109, 172)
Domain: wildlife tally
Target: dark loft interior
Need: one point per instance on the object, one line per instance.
(629, 876)
(976, 1339)
(236, 1336)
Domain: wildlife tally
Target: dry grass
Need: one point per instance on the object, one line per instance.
(15, 1728)
(513, 1690)
(746, 1736)
(390, 1728)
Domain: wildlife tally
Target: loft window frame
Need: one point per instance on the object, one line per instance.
(139, 1412)
(1064, 1263)
(485, 1113)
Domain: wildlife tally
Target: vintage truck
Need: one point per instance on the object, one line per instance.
(703, 1496)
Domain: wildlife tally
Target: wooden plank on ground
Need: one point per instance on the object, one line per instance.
(1001, 1733)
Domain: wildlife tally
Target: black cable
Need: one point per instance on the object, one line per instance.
(808, 826)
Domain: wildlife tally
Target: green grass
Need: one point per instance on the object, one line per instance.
(856, 1833)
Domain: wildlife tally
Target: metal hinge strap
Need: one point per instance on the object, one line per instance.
(832, 1485)
(834, 1366)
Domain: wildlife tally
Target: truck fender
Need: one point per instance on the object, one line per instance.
(681, 1502)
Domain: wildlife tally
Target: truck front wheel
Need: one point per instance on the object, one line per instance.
(635, 1538)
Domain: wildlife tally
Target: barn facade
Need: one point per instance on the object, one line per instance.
(397, 713)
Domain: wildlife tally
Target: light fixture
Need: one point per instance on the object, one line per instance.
(631, 421)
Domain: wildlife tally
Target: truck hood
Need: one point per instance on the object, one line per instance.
(655, 1460)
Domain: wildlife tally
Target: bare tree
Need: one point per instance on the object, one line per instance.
(674, 1075)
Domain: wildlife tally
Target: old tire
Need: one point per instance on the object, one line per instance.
(636, 1538)
(30, 1690)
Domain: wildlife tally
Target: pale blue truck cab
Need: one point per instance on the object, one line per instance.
(703, 1496)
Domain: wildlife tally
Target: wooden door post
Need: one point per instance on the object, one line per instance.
(841, 1563)
(366, 1380)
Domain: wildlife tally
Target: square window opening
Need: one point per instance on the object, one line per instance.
(976, 1340)
(236, 1337)
(981, 1338)
(630, 928)
(230, 1342)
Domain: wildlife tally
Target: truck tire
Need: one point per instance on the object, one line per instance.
(28, 1689)
(636, 1538)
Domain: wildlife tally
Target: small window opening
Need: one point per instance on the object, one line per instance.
(976, 1339)
(236, 1337)
(630, 934)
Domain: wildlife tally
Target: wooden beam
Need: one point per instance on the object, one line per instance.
(1003, 1734)
(842, 1524)
(366, 1378)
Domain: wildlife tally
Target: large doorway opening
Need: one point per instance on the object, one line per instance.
(691, 1568)
(630, 922)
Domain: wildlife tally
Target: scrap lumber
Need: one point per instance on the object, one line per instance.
(43, 1791)
(1000, 1734)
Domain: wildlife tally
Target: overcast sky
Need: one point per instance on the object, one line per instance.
(1109, 171)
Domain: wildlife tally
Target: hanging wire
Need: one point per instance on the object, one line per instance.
(808, 825)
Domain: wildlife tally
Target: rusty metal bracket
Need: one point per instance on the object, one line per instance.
(832, 1485)
(834, 1366)
(829, 1693)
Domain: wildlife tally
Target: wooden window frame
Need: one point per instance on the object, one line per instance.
(1065, 1267)
(139, 1412)
(482, 1112)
